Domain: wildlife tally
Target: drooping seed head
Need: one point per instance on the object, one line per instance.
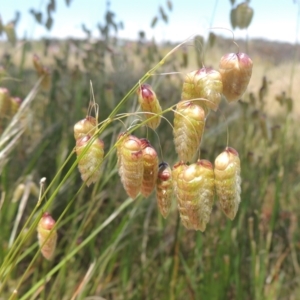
(130, 163)
(195, 194)
(164, 189)
(204, 87)
(189, 122)
(5, 103)
(236, 71)
(89, 164)
(243, 15)
(176, 171)
(150, 161)
(86, 126)
(228, 181)
(150, 105)
(191, 92)
(208, 84)
(47, 236)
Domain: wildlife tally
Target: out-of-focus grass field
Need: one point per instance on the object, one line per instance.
(111, 247)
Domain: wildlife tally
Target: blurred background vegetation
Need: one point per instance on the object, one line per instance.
(110, 247)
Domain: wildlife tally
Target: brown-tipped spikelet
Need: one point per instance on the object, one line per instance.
(236, 71)
(150, 161)
(205, 87)
(47, 238)
(89, 163)
(149, 103)
(86, 126)
(164, 189)
(5, 103)
(228, 181)
(188, 129)
(195, 193)
(130, 163)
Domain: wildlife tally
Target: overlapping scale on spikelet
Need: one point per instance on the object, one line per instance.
(150, 162)
(130, 163)
(189, 122)
(177, 169)
(89, 164)
(228, 181)
(208, 85)
(190, 92)
(204, 87)
(236, 71)
(188, 89)
(164, 189)
(195, 194)
(149, 103)
(47, 239)
(86, 126)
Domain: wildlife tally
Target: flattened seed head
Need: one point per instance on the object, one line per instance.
(236, 71)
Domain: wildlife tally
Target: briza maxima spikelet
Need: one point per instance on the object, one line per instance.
(86, 126)
(149, 103)
(196, 194)
(243, 15)
(121, 138)
(89, 164)
(150, 161)
(130, 163)
(189, 122)
(164, 189)
(47, 239)
(4, 102)
(204, 87)
(236, 71)
(189, 91)
(176, 171)
(228, 181)
(208, 84)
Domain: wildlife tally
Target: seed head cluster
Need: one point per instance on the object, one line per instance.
(192, 182)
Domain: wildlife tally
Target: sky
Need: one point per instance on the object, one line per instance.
(274, 20)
